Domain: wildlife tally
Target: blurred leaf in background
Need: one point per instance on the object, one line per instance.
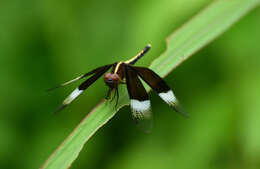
(43, 43)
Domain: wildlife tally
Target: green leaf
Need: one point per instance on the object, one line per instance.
(195, 34)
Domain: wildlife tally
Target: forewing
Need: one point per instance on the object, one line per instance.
(160, 86)
(84, 86)
(80, 77)
(139, 100)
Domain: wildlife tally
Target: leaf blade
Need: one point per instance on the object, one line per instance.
(184, 42)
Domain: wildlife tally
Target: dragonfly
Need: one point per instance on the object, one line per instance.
(124, 72)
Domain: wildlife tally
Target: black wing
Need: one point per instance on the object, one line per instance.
(98, 72)
(159, 85)
(79, 77)
(139, 100)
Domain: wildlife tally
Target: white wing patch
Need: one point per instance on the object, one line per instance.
(72, 96)
(168, 97)
(141, 109)
(140, 106)
(142, 114)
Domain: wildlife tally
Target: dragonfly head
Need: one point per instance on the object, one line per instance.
(111, 79)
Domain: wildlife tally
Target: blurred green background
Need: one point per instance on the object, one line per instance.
(44, 43)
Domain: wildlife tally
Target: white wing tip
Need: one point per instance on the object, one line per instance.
(72, 96)
(140, 106)
(168, 97)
